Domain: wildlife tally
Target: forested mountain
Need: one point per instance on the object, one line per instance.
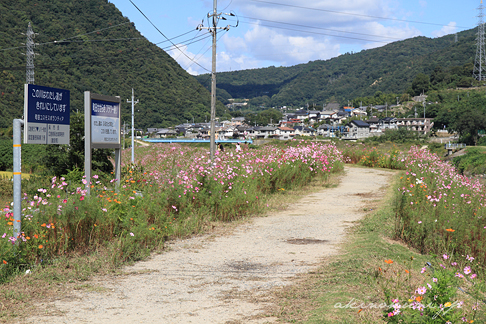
(390, 68)
(167, 94)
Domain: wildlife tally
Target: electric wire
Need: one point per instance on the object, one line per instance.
(207, 49)
(313, 27)
(317, 33)
(165, 36)
(108, 58)
(353, 14)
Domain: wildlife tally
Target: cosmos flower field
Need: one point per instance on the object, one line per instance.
(172, 191)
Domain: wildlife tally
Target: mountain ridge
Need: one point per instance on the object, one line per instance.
(390, 68)
(86, 61)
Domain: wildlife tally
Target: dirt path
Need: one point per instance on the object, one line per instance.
(212, 279)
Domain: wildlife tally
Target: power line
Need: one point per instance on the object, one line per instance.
(65, 39)
(317, 33)
(358, 15)
(110, 58)
(313, 27)
(166, 36)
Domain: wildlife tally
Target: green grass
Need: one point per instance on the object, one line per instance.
(358, 274)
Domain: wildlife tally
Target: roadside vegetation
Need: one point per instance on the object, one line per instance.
(417, 257)
(173, 191)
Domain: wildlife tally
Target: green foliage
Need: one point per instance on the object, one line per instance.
(264, 117)
(420, 84)
(61, 159)
(388, 69)
(431, 296)
(399, 136)
(472, 163)
(168, 95)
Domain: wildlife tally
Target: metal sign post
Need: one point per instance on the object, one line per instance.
(102, 127)
(17, 176)
(46, 121)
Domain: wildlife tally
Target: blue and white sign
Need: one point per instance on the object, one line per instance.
(46, 115)
(105, 122)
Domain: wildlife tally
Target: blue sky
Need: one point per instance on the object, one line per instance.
(290, 32)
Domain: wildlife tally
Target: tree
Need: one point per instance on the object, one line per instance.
(468, 124)
(420, 84)
(61, 159)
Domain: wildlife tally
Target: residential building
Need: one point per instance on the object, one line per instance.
(422, 125)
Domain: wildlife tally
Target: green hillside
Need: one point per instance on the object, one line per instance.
(390, 68)
(167, 93)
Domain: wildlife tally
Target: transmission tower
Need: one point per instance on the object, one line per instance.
(29, 73)
(480, 60)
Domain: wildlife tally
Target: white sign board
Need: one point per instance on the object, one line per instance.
(105, 122)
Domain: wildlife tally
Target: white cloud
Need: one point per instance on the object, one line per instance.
(187, 61)
(445, 30)
(271, 34)
(388, 34)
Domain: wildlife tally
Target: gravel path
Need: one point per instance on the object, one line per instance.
(212, 279)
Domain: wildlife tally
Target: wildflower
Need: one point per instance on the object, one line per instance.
(41, 246)
(467, 270)
(5, 262)
(445, 256)
(473, 276)
(471, 259)
(423, 270)
(448, 304)
(459, 275)
(131, 234)
(420, 222)
(421, 290)
(104, 209)
(450, 230)
(389, 261)
(434, 279)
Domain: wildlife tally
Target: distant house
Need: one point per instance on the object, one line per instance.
(326, 130)
(357, 129)
(387, 123)
(226, 132)
(422, 125)
(313, 115)
(285, 133)
(374, 125)
(165, 132)
(303, 131)
(238, 120)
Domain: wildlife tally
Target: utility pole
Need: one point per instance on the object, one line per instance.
(386, 109)
(216, 16)
(397, 101)
(133, 102)
(424, 111)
